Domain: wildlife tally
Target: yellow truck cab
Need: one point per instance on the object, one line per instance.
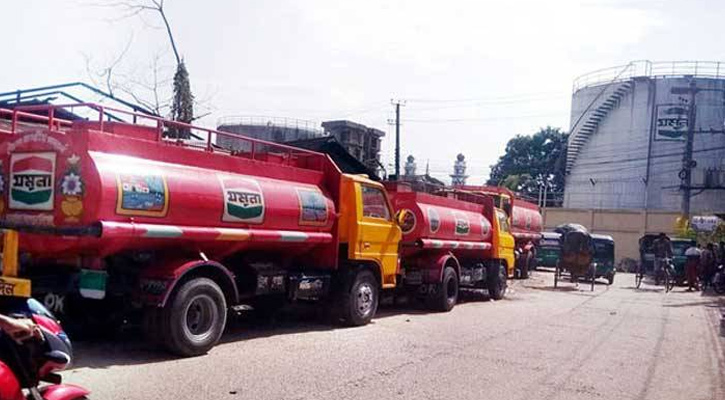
(504, 242)
(368, 226)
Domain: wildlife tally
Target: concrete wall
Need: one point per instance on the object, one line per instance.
(625, 226)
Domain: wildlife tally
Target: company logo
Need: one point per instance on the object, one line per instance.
(243, 201)
(31, 181)
(463, 226)
(434, 220)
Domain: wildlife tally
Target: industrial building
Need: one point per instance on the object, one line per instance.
(360, 141)
(628, 136)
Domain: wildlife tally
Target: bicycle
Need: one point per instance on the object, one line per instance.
(667, 274)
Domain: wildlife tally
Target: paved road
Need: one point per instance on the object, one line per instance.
(539, 343)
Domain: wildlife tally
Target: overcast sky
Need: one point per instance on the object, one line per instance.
(473, 73)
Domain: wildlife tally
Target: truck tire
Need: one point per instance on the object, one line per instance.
(446, 294)
(497, 277)
(194, 318)
(359, 299)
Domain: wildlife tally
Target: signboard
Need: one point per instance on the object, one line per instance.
(672, 122)
(705, 223)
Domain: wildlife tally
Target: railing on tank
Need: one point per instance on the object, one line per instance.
(646, 68)
(254, 149)
(272, 122)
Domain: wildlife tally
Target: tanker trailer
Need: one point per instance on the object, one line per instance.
(450, 241)
(524, 225)
(117, 219)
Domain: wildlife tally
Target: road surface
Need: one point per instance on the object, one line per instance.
(539, 343)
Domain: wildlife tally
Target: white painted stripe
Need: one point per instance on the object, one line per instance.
(287, 236)
(161, 231)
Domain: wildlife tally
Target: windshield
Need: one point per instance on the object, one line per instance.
(679, 248)
(603, 249)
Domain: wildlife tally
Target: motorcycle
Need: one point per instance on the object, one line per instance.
(24, 366)
(718, 280)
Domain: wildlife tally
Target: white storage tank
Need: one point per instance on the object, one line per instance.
(628, 136)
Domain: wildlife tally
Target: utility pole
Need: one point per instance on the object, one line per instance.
(687, 162)
(397, 104)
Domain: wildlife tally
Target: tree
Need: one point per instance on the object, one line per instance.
(531, 161)
(182, 106)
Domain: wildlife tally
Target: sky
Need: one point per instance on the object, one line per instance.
(471, 74)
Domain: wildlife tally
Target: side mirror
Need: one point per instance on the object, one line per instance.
(400, 217)
(405, 220)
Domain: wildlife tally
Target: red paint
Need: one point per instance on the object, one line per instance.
(63, 392)
(193, 196)
(9, 385)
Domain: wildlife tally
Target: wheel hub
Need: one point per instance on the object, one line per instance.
(365, 299)
(200, 318)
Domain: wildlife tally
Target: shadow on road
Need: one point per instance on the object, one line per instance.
(129, 347)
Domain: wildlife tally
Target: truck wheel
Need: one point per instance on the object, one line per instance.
(497, 281)
(194, 318)
(446, 295)
(359, 300)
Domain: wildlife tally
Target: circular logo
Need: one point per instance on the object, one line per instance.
(434, 220)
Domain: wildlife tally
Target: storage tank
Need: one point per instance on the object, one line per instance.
(628, 135)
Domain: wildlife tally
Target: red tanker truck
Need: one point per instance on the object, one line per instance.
(117, 218)
(525, 222)
(451, 239)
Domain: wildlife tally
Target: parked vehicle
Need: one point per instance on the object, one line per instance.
(525, 224)
(118, 219)
(548, 250)
(576, 254)
(603, 257)
(24, 366)
(679, 246)
(451, 239)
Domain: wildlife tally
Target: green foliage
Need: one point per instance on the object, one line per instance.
(182, 108)
(532, 160)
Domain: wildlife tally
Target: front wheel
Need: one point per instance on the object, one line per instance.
(718, 283)
(610, 279)
(359, 300)
(446, 295)
(497, 277)
(194, 318)
(639, 276)
(525, 266)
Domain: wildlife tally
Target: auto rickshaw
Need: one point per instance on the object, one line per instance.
(576, 254)
(548, 250)
(679, 246)
(603, 257)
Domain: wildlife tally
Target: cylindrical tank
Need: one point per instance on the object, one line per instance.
(526, 221)
(628, 134)
(97, 201)
(440, 222)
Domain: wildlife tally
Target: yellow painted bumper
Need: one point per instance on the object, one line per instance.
(14, 287)
(10, 284)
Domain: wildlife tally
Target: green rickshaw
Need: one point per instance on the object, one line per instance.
(548, 250)
(679, 245)
(603, 257)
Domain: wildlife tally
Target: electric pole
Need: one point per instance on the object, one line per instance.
(687, 163)
(397, 104)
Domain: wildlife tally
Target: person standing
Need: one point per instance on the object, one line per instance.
(663, 250)
(691, 274)
(707, 265)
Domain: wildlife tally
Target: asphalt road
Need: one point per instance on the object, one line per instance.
(539, 343)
